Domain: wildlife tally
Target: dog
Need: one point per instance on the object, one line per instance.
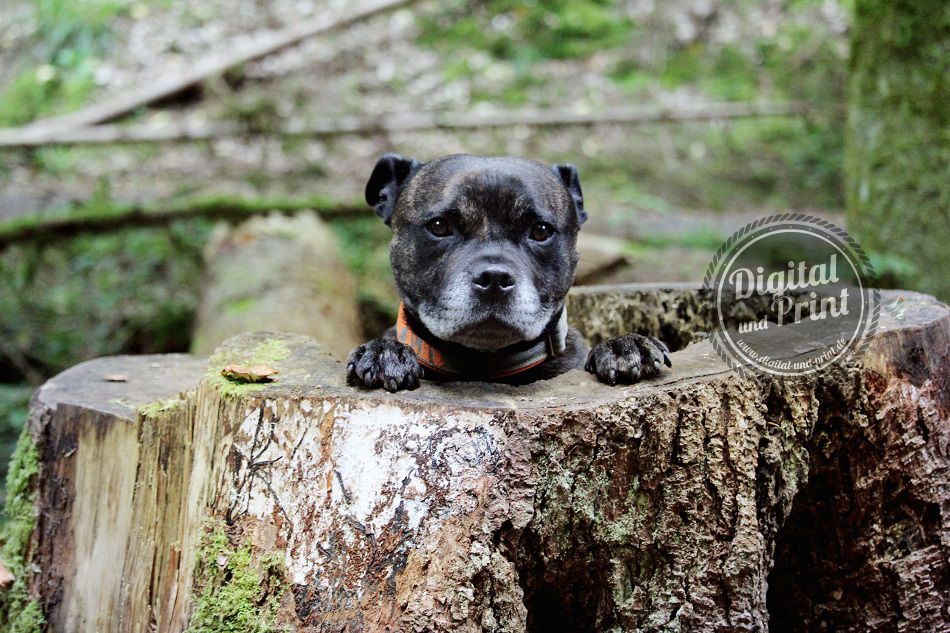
(483, 254)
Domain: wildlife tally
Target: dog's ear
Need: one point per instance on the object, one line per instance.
(390, 174)
(568, 175)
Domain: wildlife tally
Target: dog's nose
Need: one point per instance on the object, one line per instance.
(494, 281)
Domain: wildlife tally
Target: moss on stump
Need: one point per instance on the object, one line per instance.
(18, 612)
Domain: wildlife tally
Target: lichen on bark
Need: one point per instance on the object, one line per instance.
(19, 613)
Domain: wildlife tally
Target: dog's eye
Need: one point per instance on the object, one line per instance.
(439, 227)
(541, 231)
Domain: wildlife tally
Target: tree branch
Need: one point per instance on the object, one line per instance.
(111, 217)
(404, 122)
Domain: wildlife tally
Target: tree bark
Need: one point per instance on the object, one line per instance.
(565, 505)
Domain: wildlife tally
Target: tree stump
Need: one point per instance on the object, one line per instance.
(180, 499)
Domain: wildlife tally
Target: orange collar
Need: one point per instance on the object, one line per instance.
(489, 365)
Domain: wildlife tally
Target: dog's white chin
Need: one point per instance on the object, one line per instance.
(484, 334)
(460, 318)
(488, 337)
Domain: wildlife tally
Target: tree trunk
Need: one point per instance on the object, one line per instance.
(180, 499)
(898, 148)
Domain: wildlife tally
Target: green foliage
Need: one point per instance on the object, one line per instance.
(747, 163)
(69, 36)
(898, 143)
(134, 290)
(235, 590)
(55, 160)
(770, 161)
(45, 90)
(526, 32)
(725, 73)
(893, 271)
(702, 238)
(130, 290)
(18, 613)
(518, 35)
(74, 28)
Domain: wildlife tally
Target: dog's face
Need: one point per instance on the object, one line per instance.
(483, 249)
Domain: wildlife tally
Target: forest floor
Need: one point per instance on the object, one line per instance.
(56, 56)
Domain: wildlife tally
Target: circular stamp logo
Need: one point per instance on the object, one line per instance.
(789, 296)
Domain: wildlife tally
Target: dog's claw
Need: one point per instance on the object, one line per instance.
(626, 359)
(383, 363)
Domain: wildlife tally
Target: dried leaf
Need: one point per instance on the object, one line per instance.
(115, 378)
(6, 578)
(254, 373)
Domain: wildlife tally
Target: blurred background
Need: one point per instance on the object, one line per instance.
(686, 119)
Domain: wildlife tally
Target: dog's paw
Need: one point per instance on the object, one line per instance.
(628, 358)
(385, 363)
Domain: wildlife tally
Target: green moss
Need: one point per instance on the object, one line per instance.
(18, 613)
(14, 408)
(153, 409)
(267, 352)
(240, 306)
(29, 620)
(898, 136)
(235, 590)
(622, 529)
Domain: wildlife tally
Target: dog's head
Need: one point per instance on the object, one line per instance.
(483, 249)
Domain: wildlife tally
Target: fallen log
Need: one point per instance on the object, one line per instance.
(285, 273)
(565, 505)
(44, 228)
(175, 131)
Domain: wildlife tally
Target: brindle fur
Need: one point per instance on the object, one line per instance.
(491, 203)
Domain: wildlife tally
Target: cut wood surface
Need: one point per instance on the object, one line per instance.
(564, 505)
(173, 131)
(210, 66)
